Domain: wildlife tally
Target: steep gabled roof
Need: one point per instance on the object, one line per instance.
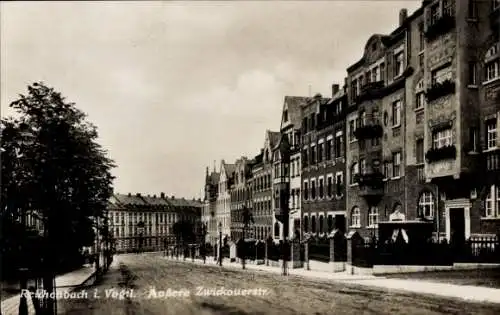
(294, 106)
(214, 178)
(274, 138)
(229, 168)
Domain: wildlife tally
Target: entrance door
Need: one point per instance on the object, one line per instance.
(457, 226)
(340, 223)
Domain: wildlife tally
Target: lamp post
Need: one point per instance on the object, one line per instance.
(220, 244)
(140, 231)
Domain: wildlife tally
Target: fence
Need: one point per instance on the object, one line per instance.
(319, 250)
(366, 253)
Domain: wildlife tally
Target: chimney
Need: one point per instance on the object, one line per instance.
(162, 195)
(335, 89)
(130, 194)
(403, 15)
(138, 194)
(173, 197)
(154, 196)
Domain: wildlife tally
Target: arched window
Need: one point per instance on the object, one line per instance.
(355, 217)
(426, 205)
(321, 224)
(492, 203)
(330, 223)
(354, 172)
(313, 224)
(276, 230)
(373, 217)
(306, 224)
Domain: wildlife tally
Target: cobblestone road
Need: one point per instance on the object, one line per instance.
(150, 276)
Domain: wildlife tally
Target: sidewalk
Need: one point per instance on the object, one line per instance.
(468, 293)
(64, 283)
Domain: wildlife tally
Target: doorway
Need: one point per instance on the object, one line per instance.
(340, 223)
(457, 226)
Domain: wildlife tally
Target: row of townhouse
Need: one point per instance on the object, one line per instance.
(413, 131)
(146, 222)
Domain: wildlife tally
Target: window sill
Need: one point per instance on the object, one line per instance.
(490, 218)
(490, 150)
(420, 109)
(471, 19)
(353, 185)
(396, 178)
(396, 126)
(355, 226)
(472, 86)
(397, 77)
(491, 81)
(373, 226)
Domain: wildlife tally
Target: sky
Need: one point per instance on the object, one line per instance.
(175, 86)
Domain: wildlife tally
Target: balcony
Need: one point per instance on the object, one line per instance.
(372, 129)
(371, 184)
(439, 154)
(442, 26)
(370, 91)
(439, 90)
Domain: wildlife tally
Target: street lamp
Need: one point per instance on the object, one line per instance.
(220, 244)
(140, 231)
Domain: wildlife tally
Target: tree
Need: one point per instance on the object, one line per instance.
(184, 232)
(51, 163)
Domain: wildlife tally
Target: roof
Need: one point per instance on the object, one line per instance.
(295, 104)
(229, 168)
(274, 138)
(151, 201)
(130, 199)
(214, 178)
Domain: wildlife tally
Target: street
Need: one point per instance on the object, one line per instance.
(149, 284)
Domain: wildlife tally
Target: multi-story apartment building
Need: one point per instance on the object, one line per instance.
(210, 205)
(262, 187)
(290, 128)
(140, 222)
(381, 89)
(241, 198)
(223, 208)
(461, 81)
(323, 165)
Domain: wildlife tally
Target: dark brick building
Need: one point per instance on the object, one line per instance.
(323, 164)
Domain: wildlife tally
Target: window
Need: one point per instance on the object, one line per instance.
(306, 224)
(313, 224)
(426, 205)
(447, 8)
(313, 189)
(305, 157)
(492, 204)
(473, 139)
(368, 76)
(355, 217)
(285, 116)
(313, 121)
(398, 64)
(420, 103)
(276, 230)
(492, 69)
(363, 119)
(421, 59)
(339, 144)
(419, 151)
(339, 180)
(362, 166)
(321, 186)
(328, 149)
(491, 134)
(373, 217)
(441, 138)
(352, 128)
(472, 73)
(330, 223)
(304, 125)
(321, 224)
(434, 13)
(329, 186)
(313, 155)
(292, 168)
(396, 164)
(472, 9)
(396, 113)
(320, 152)
(354, 173)
(376, 74)
(354, 89)
(441, 75)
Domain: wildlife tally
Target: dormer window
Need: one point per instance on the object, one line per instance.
(285, 116)
(496, 5)
(447, 8)
(434, 13)
(398, 64)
